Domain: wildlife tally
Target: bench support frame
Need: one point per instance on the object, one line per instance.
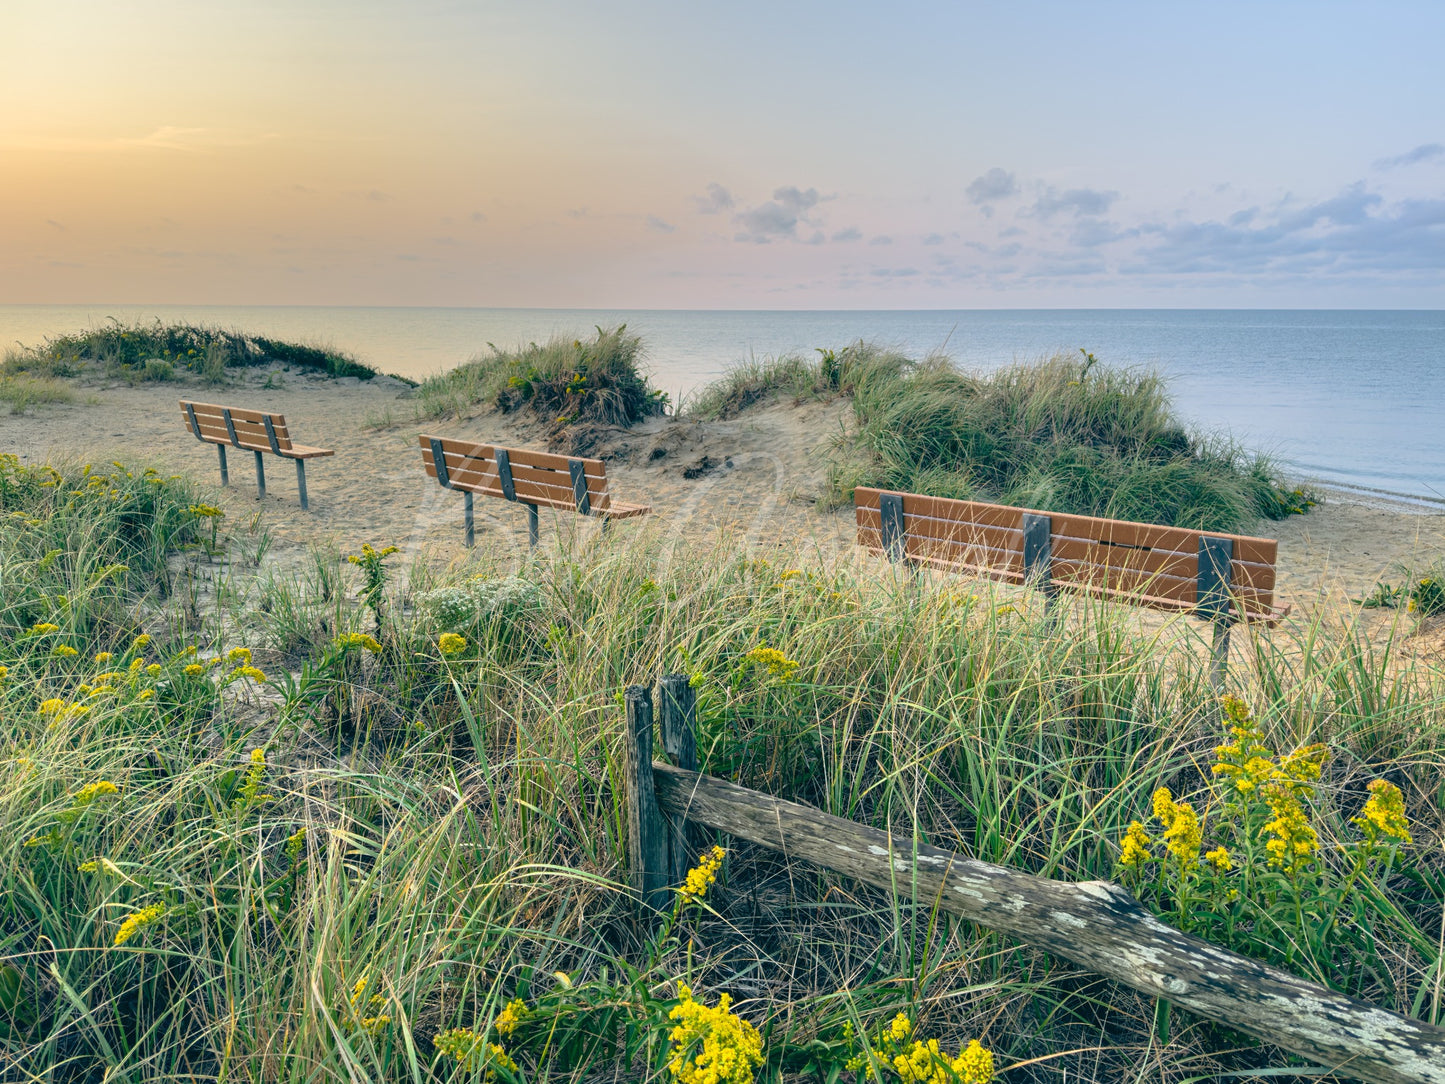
(260, 476)
(225, 476)
(301, 483)
(1211, 595)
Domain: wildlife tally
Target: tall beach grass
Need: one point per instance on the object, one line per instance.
(351, 834)
(1065, 434)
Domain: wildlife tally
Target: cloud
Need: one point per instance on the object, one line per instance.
(716, 199)
(1425, 152)
(881, 239)
(852, 233)
(993, 185)
(893, 272)
(1350, 233)
(479, 216)
(655, 223)
(1076, 201)
(778, 218)
(933, 239)
(54, 225)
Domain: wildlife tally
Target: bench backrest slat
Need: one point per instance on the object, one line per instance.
(253, 429)
(540, 478)
(1153, 565)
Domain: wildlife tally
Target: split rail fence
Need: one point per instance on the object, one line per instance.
(1095, 924)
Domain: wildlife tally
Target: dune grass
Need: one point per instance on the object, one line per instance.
(358, 814)
(160, 351)
(24, 392)
(563, 382)
(1065, 434)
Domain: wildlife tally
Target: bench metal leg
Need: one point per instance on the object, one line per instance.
(260, 477)
(1219, 656)
(471, 527)
(301, 483)
(225, 478)
(532, 526)
(605, 521)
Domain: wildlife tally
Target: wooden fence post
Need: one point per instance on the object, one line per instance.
(647, 846)
(678, 716)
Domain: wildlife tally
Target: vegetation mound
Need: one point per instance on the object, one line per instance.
(1065, 434)
(567, 384)
(361, 830)
(160, 351)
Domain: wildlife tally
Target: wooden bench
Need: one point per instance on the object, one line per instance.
(252, 431)
(1222, 578)
(526, 477)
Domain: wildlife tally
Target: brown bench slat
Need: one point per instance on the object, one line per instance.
(252, 430)
(479, 476)
(475, 471)
(1158, 566)
(248, 423)
(536, 479)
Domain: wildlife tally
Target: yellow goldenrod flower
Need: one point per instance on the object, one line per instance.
(373, 1024)
(136, 665)
(900, 1028)
(712, 1045)
(53, 706)
(140, 641)
(451, 644)
(194, 669)
(701, 876)
(239, 656)
(91, 791)
(1219, 859)
(296, 844)
(4, 672)
(1384, 814)
(251, 789)
(1183, 834)
(43, 628)
(154, 669)
(1295, 842)
(245, 672)
(137, 921)
(64, 651)
(1136, 846)
(512, 1014)
(774, 662)
(359, 639)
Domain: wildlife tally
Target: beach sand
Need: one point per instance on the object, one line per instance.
(757, 475)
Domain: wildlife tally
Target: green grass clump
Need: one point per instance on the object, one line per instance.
(564, 382)
(24, 392)
(160, 351)
(1064, 435)
(365, 826)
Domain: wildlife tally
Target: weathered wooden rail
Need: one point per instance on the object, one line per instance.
(1095, 924)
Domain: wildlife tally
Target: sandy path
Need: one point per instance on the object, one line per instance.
(767, 466)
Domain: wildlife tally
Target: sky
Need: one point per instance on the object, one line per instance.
(566, 153)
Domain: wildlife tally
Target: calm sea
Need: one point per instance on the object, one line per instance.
(1355, 398)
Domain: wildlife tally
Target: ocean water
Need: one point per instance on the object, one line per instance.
(1352, 398)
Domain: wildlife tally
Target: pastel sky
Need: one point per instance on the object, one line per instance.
(572, 153)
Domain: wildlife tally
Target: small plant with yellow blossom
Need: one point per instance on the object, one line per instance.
(1250, 870)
